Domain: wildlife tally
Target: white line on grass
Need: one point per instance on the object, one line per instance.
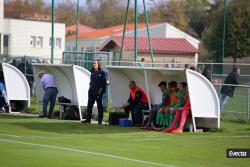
(10, 135)
(86, 152)
(32, 136)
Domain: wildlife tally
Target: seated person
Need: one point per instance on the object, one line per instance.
(137, 102)
(3, 95)
(164, 116)
(181, 115)
(165, 95)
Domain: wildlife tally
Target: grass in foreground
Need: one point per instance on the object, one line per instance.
(188, 149)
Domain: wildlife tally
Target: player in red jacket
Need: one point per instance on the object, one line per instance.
(181, 115)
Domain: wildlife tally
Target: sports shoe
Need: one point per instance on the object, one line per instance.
(177, 131)
(146, 127)
(168, 130)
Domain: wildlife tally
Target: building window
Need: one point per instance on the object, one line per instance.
(5, 44)
(40, 42)
(5, 41)
(58, 43)
(33, 41)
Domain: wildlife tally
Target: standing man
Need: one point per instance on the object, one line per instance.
(48, 83)
(97, 88)
(228, 91)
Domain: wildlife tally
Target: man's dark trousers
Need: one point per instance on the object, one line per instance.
(136, 112)
(91, 101)
(50, 95)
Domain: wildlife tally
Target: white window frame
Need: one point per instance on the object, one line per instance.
(58, 43)
(33, 41)
(39, 41)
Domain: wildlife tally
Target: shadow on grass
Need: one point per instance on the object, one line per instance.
(66, 127)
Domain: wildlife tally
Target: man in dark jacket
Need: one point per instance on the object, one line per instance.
(97, 88)
(228, 91)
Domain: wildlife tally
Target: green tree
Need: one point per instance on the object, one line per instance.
(197, 11)
(237, 41)
(170, 11)
(108, 12)
(65, 12)
(238, 30)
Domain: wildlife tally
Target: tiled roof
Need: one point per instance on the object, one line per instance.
(160, 45)
(81, 29)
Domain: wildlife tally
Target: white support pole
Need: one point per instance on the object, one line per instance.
(147, 88)
(80, 113)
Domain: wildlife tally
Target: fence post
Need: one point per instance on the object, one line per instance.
(248, 103)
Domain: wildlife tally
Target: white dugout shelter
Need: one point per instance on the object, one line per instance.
(205, 106)
(17, 86)
(72, 82)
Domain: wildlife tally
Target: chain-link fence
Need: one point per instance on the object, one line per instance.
(238, 106)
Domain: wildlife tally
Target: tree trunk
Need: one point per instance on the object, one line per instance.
(235, 59)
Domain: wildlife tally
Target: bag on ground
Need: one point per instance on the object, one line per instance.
(115, 116)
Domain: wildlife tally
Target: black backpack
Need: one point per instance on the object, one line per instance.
(63, 99)
(115, 116)
(71, 113)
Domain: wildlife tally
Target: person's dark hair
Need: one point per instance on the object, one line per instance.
(133, 82)
(186, 65)
(184, 84)
(192, 68)
(162, 83)
(99, 64)
(142, 59)
(172, 84)
(235, 69)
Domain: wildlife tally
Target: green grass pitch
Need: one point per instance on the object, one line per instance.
(33, 142)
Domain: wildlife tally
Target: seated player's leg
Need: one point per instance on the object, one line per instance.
(167, 117)
(160, 117)
(151, 118)
(176, 119)
(184, 115)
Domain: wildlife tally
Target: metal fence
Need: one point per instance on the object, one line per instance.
(236, 107)
(84, 59)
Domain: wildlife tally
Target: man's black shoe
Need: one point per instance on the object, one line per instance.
(42, 116)
(86, 121)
